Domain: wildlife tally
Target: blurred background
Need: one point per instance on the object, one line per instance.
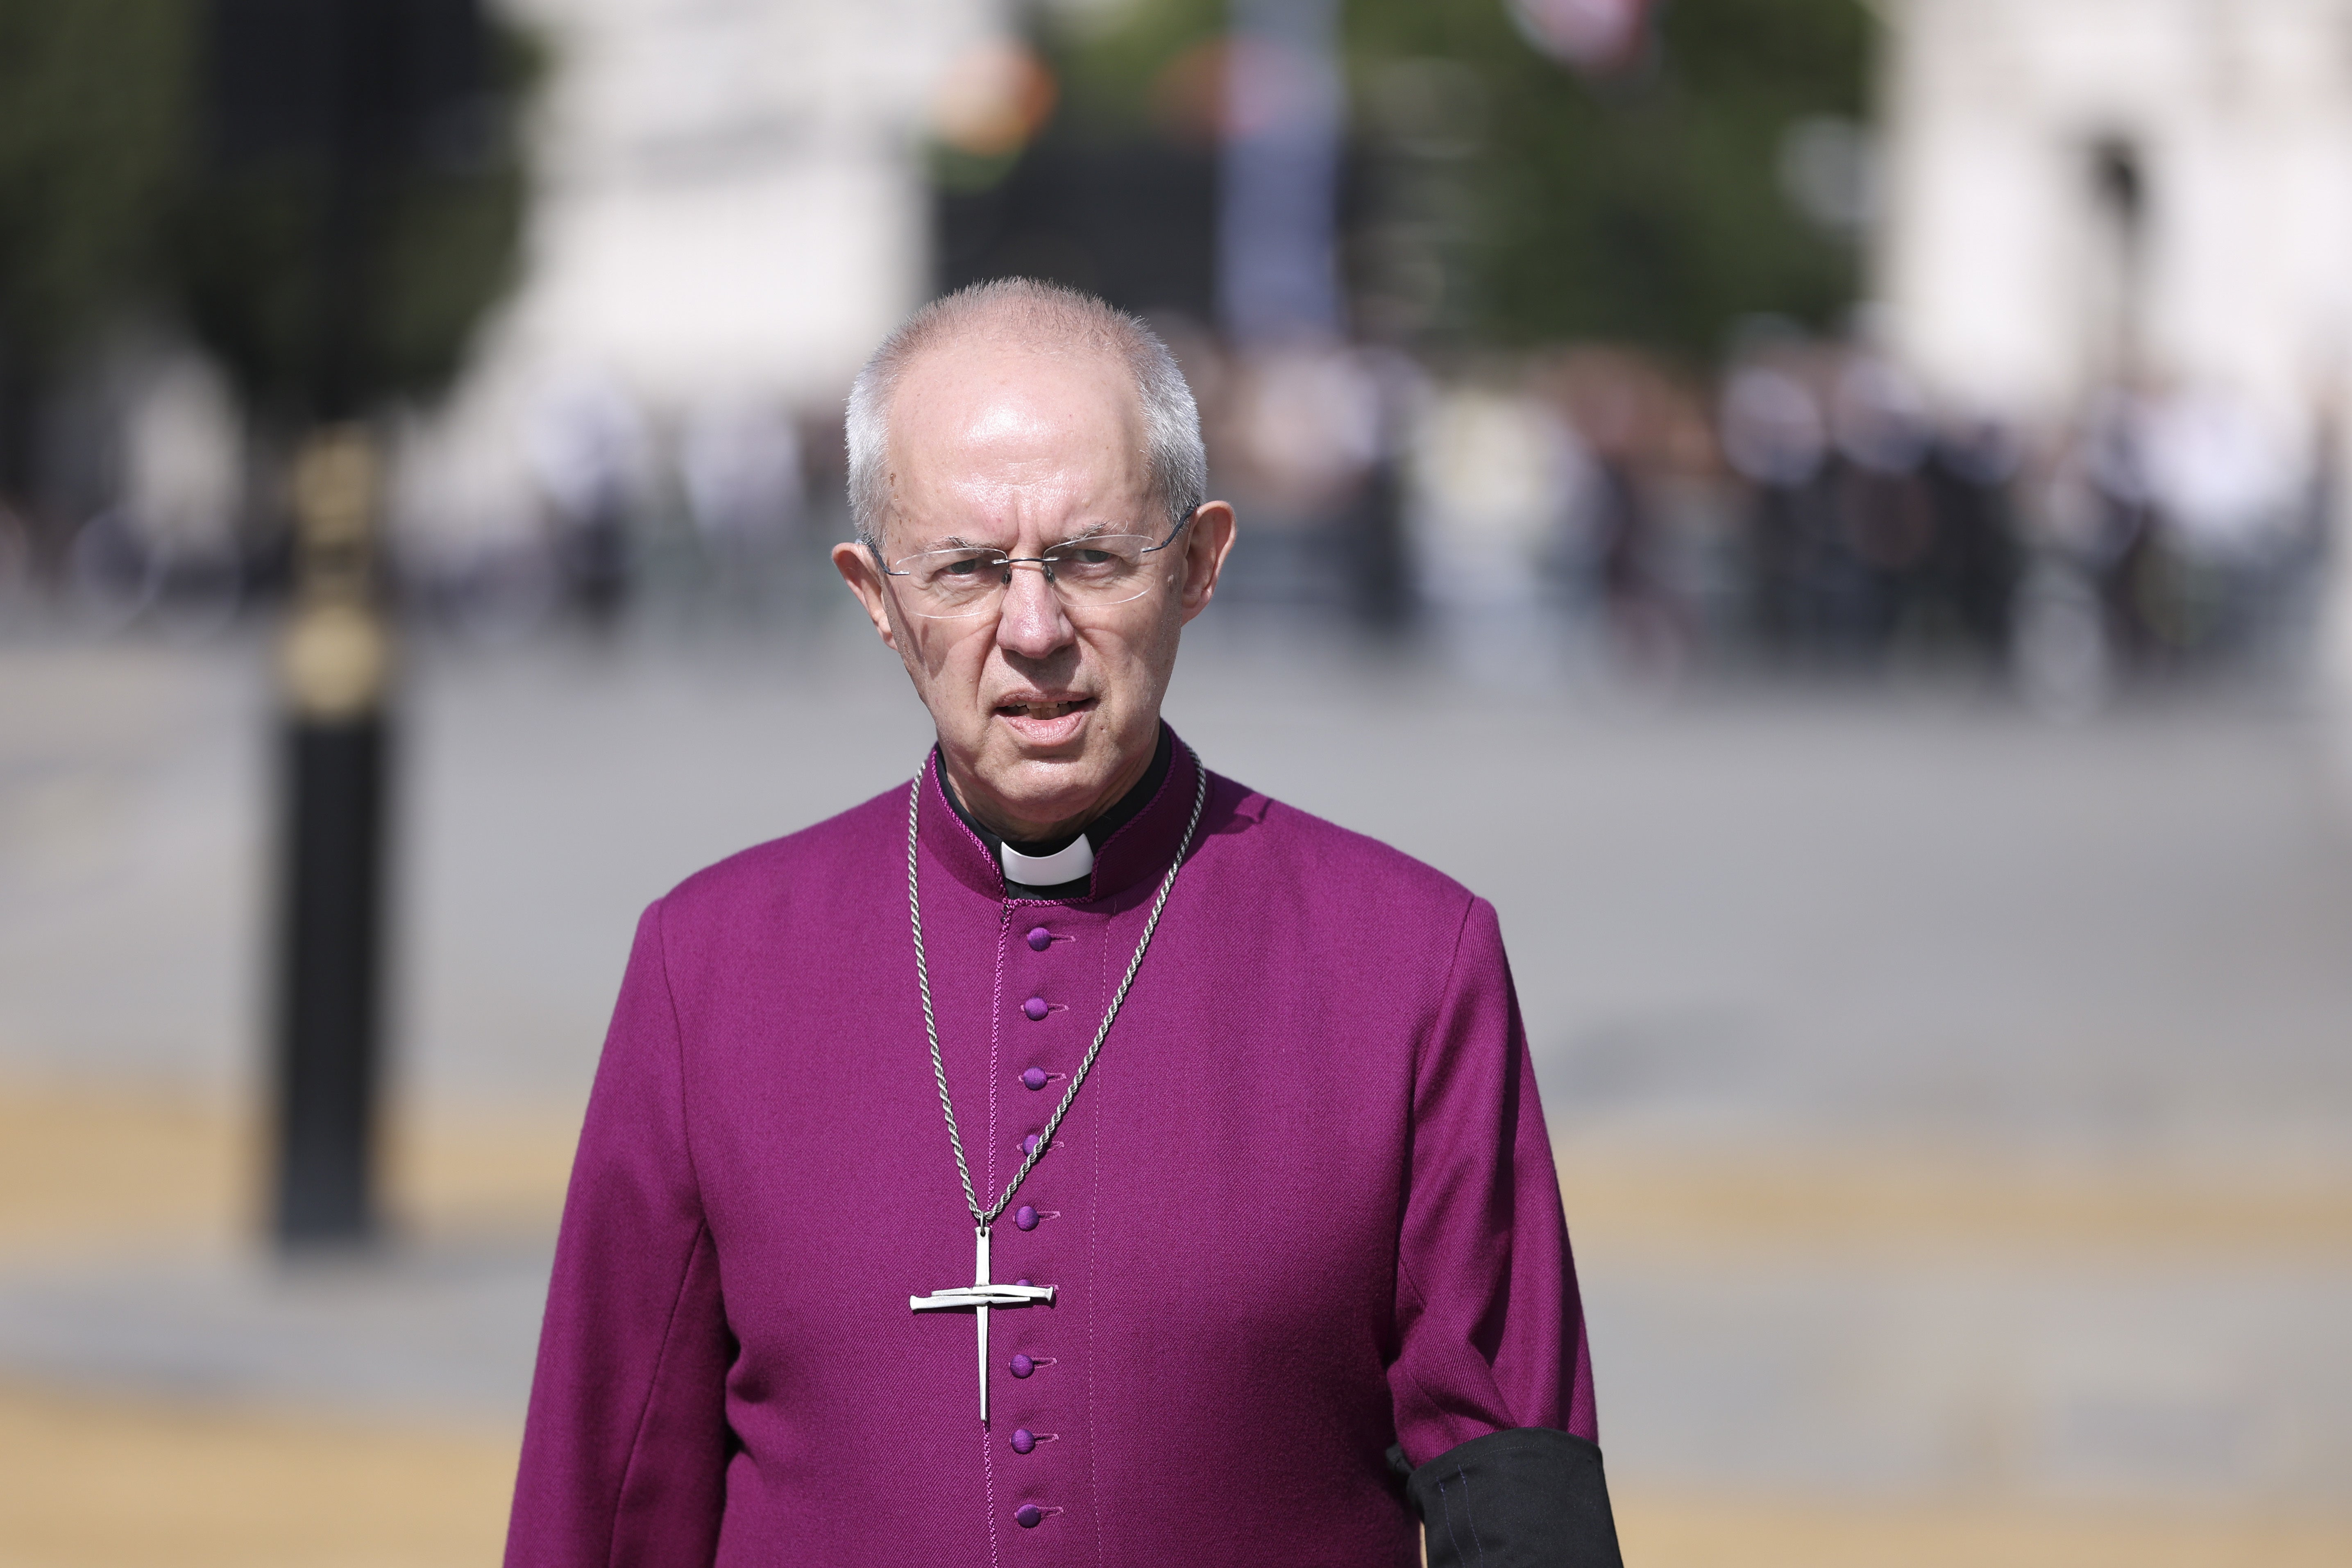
(1824, 511)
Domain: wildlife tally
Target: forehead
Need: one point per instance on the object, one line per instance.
(975, 420)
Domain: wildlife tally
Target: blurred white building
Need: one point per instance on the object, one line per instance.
(2076, 194)
(2077, 190)
(729, 210)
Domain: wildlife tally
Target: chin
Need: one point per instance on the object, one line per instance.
(1054, 786)
(1049, 789)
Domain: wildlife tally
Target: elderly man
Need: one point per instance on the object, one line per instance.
(1209, 1124)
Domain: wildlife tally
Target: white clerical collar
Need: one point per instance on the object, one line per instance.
(1067, 864)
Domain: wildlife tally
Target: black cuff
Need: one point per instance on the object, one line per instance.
(1526, 1498)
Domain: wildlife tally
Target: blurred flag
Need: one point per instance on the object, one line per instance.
(1596, 37)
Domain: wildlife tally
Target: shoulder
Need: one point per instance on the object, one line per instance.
(801, 870)
(1344, 873)
(1333, 924)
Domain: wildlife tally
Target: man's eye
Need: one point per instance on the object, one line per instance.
(1086, 557)
(969, 566)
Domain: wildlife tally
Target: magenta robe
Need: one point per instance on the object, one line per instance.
(1303, 1208)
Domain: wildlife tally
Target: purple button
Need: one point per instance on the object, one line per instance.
(1025, 1218)
(1022, 1366)
(1028, 1516)
(1029, 1144)
(1040, 939)
(1036, 1009)
(1033, 1078)
(1023, 1439)
(1024, 1282)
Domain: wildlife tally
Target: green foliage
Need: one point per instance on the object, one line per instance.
(109, 202)
(93, 108)
(452, 249)
(1114, 72)
(304, 315)
(1645, 209)
(1652, 211)
(435, 248)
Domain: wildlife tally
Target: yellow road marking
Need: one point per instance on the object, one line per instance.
(1902, 1205)
(1663, 1531)
(96, 1483)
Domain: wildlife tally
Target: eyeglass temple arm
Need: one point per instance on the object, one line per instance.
(1175, 531)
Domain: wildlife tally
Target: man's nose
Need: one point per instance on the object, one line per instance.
(1033, 623)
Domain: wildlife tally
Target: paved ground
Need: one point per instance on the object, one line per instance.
(1955, 1112)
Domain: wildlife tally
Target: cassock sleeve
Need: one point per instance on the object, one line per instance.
(1492, 1385)
(626, 1447)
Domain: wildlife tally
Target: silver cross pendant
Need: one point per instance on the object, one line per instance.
(980, 1296)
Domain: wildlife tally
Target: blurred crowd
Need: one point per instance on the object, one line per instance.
(1808, 511)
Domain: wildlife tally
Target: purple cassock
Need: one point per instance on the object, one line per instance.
(1302, 1210)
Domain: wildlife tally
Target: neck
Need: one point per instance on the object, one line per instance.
(1027, 832)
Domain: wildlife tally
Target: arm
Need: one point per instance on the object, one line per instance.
(626, 1447)
(1492, 1386)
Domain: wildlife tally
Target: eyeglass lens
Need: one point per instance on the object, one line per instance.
(1096, 571)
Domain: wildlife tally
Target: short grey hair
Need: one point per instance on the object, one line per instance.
(1051, 317)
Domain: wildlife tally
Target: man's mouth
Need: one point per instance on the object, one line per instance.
(1042, 710)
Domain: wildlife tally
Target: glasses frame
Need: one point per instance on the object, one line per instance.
(1006, 563)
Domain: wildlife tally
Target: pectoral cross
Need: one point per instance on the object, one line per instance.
(980, 1296)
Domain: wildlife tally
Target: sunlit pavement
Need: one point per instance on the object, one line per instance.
(1955, 1112)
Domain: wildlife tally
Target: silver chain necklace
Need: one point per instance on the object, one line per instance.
(986, 1217)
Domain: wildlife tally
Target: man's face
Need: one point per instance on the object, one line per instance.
(1047, 706)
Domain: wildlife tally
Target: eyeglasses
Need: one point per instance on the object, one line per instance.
(1094, 572)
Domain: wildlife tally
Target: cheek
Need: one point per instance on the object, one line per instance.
(1131, 661)
(1156, 643)
(952, 652)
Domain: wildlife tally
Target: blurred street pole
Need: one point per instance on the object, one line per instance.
(1277, 273)
(323, 115)
(2119, 184)
(2335, 633)
(335, 662)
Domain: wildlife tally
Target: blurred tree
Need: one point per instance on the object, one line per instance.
(94, 111)
(1650, 207)
(141, 168)
(1502, 197)
(358, 200)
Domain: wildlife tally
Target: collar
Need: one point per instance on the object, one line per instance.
(1126, 845)
(1074, 861)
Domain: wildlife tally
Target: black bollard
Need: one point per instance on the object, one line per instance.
(353, 201)
(328, 1047)
(334, 664)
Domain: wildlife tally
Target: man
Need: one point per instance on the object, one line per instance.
(1233, 1106)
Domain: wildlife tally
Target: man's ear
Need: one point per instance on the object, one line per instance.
(1206, 544)
(857, 565)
